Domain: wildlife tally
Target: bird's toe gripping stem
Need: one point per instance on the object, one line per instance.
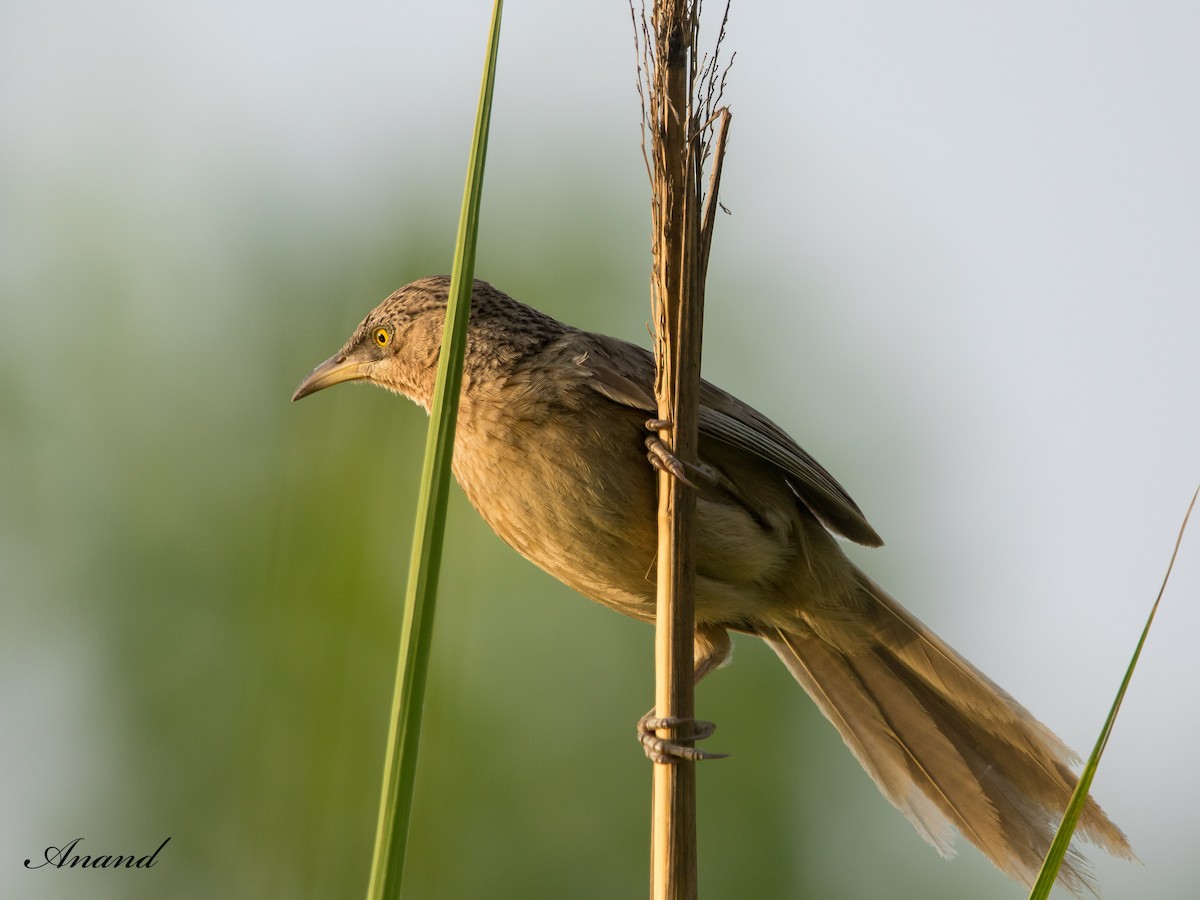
(670, 750)
(666, 461)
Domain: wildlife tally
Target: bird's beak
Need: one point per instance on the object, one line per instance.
(335, 370)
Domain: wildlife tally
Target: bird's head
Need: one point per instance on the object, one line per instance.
(396, 345)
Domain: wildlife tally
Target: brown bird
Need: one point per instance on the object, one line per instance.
(550, 448)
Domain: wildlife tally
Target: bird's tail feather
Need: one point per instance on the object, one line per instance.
(945, 745)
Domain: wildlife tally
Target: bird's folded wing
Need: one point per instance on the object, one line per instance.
(623, 373)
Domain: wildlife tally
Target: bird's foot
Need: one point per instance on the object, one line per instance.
(666, 461)
(670, 750)
(658, 454)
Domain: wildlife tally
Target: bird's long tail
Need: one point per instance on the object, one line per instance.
(945, 745)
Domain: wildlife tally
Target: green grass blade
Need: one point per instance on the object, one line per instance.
(1062, 840)
(399, 776)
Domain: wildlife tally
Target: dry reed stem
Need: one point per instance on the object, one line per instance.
(678, 111)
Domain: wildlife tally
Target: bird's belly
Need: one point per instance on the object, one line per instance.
(584, 509)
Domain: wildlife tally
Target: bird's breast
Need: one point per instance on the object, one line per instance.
(570, 490)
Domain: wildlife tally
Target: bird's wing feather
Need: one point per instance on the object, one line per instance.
(624, 373)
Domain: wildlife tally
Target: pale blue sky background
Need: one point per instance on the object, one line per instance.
(961, 268)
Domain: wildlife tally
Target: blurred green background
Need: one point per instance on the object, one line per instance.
(961, 269)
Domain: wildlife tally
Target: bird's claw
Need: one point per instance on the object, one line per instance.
(662, 458)
(666, 461)
(666, 750)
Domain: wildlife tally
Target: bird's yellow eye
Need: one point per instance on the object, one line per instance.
(382, 337)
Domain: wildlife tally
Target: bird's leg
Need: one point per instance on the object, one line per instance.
(712, 647)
